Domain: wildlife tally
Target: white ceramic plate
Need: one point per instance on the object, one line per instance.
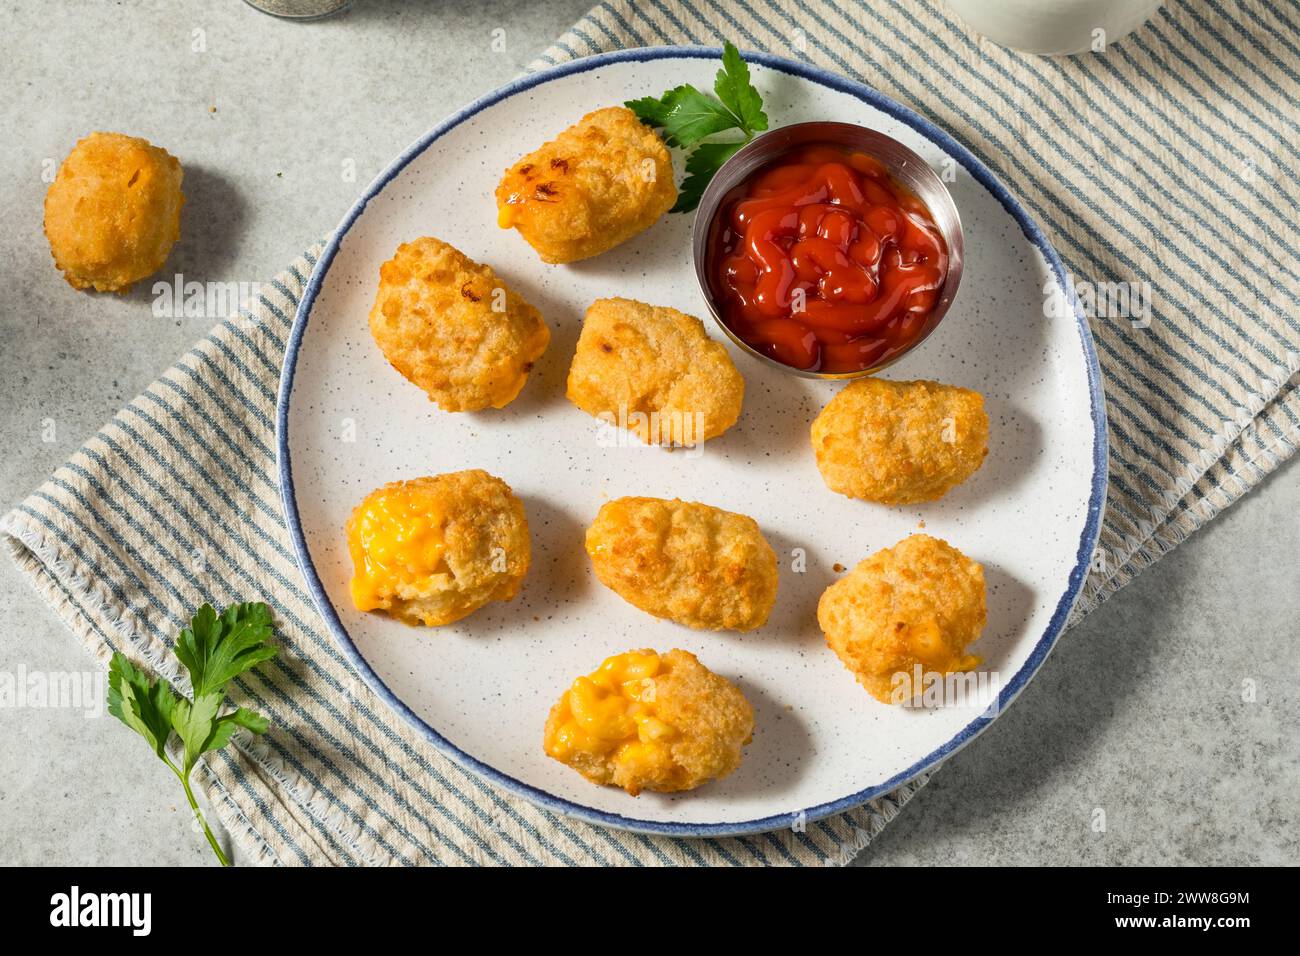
(480, 689)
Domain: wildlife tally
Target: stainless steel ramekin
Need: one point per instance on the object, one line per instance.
(903, 164)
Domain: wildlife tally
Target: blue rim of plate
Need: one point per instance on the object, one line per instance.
(951, 147)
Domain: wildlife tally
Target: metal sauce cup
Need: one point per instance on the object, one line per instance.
(903, 164)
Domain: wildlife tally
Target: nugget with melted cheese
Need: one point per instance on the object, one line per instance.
(899, 443)
(597, 184)
(434, 550)
(654, 371)
(452, 327)
(920, 602)
(691, 563)
(113, 212)
(648, 721)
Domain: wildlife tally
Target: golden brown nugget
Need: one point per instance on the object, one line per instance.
(433, 550)
(113, 212)
(920, 602)
(654, 371)
(648, 721)
(597, 184)
(691, 563)
(452, 327)
(899, 443)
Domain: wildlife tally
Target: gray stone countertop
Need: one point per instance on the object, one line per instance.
(1138, 713)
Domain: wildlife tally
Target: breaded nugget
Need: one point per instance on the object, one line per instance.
(691, 563)
(920, 602)
(452, 327)
(597, 184)
(654, 371)
(899, 443)
(113, 211)
(433, 550)
(646, 721)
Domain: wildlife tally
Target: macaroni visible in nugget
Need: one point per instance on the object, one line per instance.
(654, 371)
(691, 563)
(648, 721)
(920, 602)
(452, 327)
(899, 443)
(597, 184)
(433, 550)
(113, 211)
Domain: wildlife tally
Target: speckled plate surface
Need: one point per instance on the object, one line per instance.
(480, 689)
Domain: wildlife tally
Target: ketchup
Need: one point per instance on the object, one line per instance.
(823, 262)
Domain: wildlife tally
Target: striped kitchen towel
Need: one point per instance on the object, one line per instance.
(1168, 161)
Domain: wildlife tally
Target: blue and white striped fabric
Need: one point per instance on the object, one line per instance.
(1168, 159)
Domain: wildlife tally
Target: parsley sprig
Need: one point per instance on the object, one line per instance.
(215, 649)
(688, 116)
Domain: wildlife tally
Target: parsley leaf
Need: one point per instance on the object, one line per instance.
(215, 649)
(195, 725)
(686, 116)
(737, 92)
(141, 704)
(227, 725)
(700, 167)
(653, 112)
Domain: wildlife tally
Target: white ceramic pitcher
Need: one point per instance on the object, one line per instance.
(1055, 26)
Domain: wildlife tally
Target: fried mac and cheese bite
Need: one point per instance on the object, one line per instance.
(648, 721)
(452, 327)
(433, 550)
(597, 184)
(691, 563)
(113, 212)
(654, 371)
(920, 602)
(898, 443)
